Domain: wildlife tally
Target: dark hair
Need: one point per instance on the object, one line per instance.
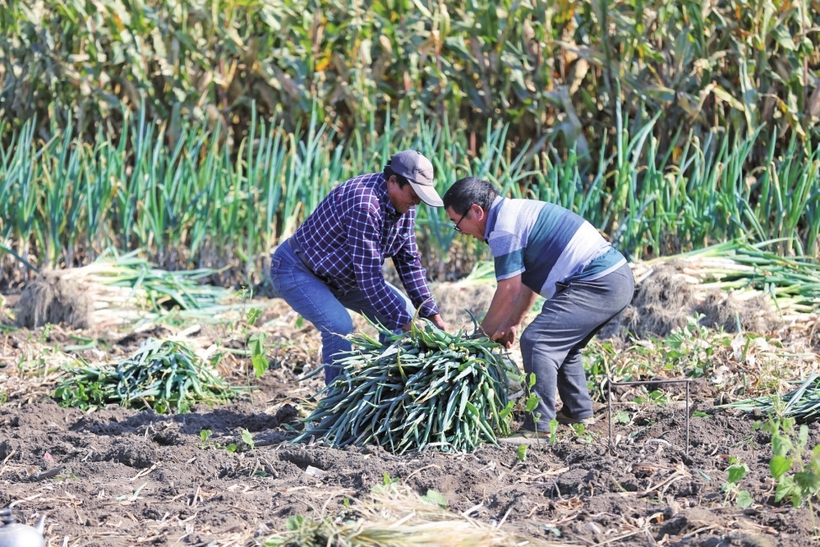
(464, 192)
(388, 172)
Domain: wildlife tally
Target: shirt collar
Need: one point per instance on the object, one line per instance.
(389, 210)
(492, 217)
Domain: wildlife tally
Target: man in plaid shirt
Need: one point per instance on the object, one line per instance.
(333, 263)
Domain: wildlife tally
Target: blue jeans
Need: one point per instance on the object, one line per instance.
(322, 304)
(551, 345)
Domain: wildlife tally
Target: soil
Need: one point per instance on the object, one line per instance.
(118, 476)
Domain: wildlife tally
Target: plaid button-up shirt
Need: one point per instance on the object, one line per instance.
(350, 234)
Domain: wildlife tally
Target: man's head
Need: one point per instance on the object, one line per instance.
(409, 166)
(467, 202)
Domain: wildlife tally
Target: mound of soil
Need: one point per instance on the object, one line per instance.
(54, 298)
(666, 299)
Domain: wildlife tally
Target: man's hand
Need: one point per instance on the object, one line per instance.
(438, 321)
(505, 336)
(435, 319)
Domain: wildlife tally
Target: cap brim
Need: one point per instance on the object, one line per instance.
(427, 194)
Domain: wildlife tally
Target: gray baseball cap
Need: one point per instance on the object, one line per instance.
(419, 171)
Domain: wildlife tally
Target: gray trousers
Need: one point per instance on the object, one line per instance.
(551, 345)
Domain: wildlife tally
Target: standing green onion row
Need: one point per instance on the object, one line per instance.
(425, 388)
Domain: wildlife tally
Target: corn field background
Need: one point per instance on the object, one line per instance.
(203, 132)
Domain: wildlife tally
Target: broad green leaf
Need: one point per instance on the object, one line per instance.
(260, 365)
(735, 473)
(256, 343)
(815, 459)
(803, 436)
(725, 96)
(808, 482)
(781, 445)
(779, 465)
(785, 488)
(435, 498)
(252, 315)
(247, 438)
(744, 499)
(783, 37)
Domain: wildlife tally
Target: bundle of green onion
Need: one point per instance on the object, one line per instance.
(802, 404)
(748, 270)
(425, 388)
(162, 375)
(132, 281)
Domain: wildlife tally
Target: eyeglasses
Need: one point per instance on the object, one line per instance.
(455, 226)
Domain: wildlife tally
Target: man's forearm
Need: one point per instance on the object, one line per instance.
(501, 306)
(521, 307)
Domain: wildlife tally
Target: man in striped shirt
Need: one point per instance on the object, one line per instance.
(333, 263)
(543, 249)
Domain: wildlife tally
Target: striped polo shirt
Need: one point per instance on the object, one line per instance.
(545, 244)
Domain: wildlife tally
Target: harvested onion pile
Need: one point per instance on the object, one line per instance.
(425, 388)
(802, 403)
(164, 375)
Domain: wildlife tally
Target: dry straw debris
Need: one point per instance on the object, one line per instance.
(394, 515)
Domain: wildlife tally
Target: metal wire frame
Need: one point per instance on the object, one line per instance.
(610, 383)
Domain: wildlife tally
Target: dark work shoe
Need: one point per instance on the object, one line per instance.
(566, 419)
